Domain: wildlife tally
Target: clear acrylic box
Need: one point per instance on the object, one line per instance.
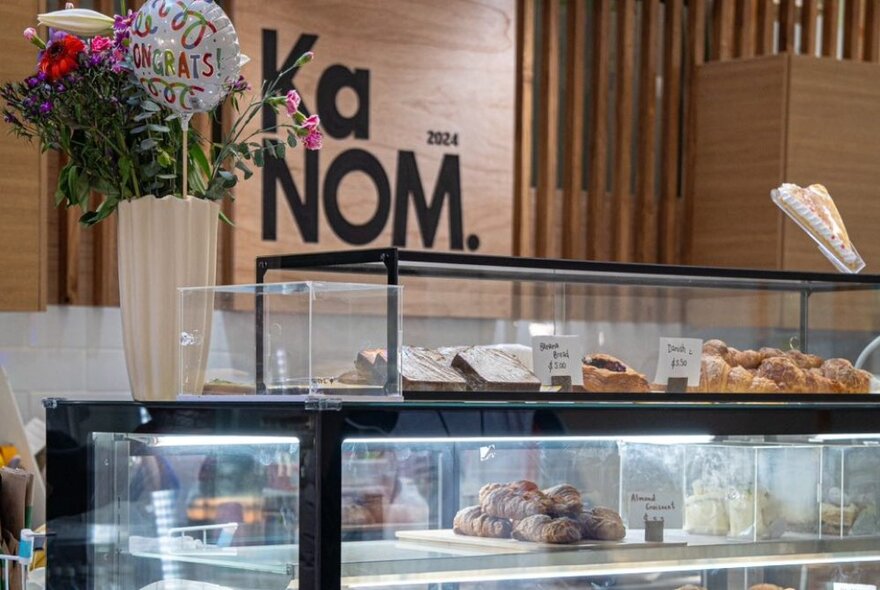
(752, 492)
(850, 490)
(289, 339)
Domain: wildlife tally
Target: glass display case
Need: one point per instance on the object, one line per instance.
(458, 495)
(290, 339)
(763, 332)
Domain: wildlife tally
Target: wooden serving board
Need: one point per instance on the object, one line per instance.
(449, 538)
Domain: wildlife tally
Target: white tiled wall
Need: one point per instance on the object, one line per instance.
(72, 352)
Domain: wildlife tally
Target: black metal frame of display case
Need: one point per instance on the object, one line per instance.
(395, 263)
(322, 432)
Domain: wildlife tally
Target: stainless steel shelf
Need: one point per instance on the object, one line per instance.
(368, 564)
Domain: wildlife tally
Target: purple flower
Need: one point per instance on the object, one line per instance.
(123, 23)
(10, 118)
(46, 108)
(60, 88)
(33, 82)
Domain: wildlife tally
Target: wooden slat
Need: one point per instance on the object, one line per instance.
(666, 245)
(746, 15)
(786, 26)
(646, 210)
(830, 27)
(852, 30)
(623, 230)
(723, 20)
(766, 20)
(872, 30)
(547, 130)
(597, 229)
(694, 57)
(573, 176)
(525, 71)
(809, 26)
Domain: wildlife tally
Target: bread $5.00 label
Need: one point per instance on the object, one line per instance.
(558, 356)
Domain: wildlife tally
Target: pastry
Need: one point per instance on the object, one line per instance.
(356, 514)
(601, 523)
(803, 360)
(489, 369)
(566, 500)
(541, 528)
(763, 521)
(705, 511)
(472, 522)
(604, 373)
(515, 504)
(522, 485)
(837, 520)
(813, 209)
(851, 379)
(785, 373)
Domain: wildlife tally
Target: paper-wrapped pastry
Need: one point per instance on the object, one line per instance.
(813, 209)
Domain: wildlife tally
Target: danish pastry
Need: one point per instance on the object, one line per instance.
(604, 373)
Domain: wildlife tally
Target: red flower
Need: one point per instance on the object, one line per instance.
(60, 58)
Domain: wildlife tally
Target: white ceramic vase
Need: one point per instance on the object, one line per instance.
(164, 244)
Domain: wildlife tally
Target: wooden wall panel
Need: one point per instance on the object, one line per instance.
(740, 132)
(523, 196)
(830, 28)
(667, 243)
(646, 205)
(598, 236)
(548, 133)
(624, 243)
(23, 224)
(573, 239)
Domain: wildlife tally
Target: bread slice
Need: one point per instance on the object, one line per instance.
(813, 209)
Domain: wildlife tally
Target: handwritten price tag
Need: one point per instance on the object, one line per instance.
(848, 586)
(654, 505)
(558, 356)
(679, 358)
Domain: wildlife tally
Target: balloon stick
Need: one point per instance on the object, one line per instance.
(184, 123)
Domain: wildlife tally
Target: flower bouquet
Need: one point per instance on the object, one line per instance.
(85, 102)
(108, 95)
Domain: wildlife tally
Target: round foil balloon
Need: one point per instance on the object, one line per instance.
(185, 53)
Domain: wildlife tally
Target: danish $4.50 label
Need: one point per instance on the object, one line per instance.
(679, 358)
(558, 356)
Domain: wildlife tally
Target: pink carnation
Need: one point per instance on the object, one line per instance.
(312, 122)
(29, 33)
(314, 140)
(101, 44)
(293, 101)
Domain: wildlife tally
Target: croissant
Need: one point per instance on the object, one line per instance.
(472, 522)
(506, 502)
(566, 499)
(803, 360)
(785, 373)
(852, 380)
(601, 523)
(541, 528)
(522, 485)
(747, 359)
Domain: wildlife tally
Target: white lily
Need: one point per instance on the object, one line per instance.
(243, 60)
(79, 21)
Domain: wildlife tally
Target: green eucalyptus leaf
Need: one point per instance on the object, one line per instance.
(159, 128)
(244, 168)
(148, 144)
(149, 105)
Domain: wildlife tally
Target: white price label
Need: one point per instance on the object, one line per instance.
(653, 505)
(679, 358)
(558, 356)
(848, 586)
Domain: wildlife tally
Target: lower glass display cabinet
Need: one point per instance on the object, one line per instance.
(442, 496)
